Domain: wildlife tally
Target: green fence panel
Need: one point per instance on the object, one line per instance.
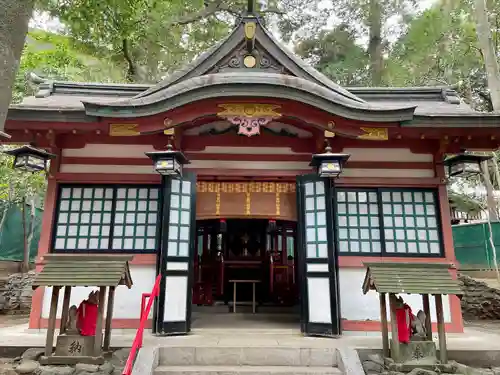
(12, 234)
(472, 244)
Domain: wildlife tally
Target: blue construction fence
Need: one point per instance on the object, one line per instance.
(12, 233)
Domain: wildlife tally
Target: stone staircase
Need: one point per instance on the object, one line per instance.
(246, 360)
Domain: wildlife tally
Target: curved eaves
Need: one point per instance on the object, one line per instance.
(298, 66)
(201, 65)
(195, 66)
(256, 85)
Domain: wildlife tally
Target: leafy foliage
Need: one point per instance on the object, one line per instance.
(337, 55)
(152, 38)
(57, 57)
(16, 185)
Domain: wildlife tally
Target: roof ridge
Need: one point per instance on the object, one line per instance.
(232, 41)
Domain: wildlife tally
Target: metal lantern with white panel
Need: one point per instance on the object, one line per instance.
(30, 158)
(464, 164)
(169, 162)
(329, 164)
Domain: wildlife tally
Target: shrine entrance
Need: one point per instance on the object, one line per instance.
(245, 274)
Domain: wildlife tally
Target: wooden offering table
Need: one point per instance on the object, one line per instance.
(235, 283)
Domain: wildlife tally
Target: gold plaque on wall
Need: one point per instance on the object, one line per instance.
(123, 130)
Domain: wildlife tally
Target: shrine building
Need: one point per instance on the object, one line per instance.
(243, 204)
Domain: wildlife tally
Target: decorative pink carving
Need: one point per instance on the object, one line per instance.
(249, 126)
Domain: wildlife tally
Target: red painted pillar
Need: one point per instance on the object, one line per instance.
(45, 238)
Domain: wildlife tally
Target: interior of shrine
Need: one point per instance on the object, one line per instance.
(250, 261)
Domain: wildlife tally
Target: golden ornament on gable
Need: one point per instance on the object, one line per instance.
(249, 61)
(250, 28)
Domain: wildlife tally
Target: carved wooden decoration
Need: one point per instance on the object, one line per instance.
(250, 28)
(246, 200)
(249, 117)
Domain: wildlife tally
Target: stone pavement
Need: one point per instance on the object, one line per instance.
(474, 338)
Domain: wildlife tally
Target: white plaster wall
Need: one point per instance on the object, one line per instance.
(386, 154)
(127, 301)
(355, 305)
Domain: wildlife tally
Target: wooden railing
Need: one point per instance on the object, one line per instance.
(137, 344)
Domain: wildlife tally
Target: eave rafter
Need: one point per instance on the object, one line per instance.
(321, 123)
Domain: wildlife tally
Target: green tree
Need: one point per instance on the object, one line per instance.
(336, 54)
(440, 47)
(152, 38)
(57, 57)
(14, 18)
(25, 190)
(379, 20)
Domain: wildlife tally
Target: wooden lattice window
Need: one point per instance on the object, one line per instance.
(358, 222)
(135, 218)
(106, 218)
(180, 218)
(411, 224)
(316, 226)
(390, 222)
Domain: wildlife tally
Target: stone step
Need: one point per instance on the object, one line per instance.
(245, 370)
(247, 356)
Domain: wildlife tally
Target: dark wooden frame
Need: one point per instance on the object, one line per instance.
(175, 328)
(109, 250)
(318, 329)
(383, 252)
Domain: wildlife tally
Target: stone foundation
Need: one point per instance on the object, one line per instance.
(17, 293)
(29, 364)
(480, 302)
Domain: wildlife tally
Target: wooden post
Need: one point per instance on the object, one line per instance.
(394, 328)
(49, 343)
(98, 327)
(427, 312)
(385, 328)
(234, 297)
(253, 297)
(65, 309)
(109, 317)
(443, 352)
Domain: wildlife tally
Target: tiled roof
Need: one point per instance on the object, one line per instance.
(84, 270)
(410, 278)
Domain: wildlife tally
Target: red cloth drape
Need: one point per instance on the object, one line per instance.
(403, 320)
(87, 318)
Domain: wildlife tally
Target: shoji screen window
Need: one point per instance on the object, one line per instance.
(106, 218)
(84, 218)
(411, 222)
(135, 219)
(358, 222)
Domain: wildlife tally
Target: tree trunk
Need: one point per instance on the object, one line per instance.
(375, 43)
(488, 50)
(26, 250)
(490, 198)
(14, 18)
(31, 233)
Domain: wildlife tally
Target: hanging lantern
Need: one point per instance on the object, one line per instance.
(30, 158)
(169, 162)
(222, 226)
(328, 164)
(464, 164)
